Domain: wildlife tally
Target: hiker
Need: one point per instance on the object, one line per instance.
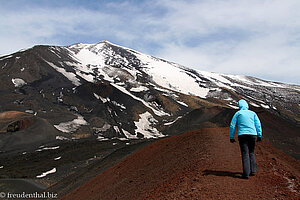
(249, 131)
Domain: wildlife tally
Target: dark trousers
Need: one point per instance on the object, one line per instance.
(247, 145)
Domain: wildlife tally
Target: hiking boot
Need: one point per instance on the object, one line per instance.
(245, 177)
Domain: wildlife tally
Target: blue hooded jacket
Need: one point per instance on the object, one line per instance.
(246, 121)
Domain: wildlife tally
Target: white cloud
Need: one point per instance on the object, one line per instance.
(39, 26)
(257, 37)
(266, 57)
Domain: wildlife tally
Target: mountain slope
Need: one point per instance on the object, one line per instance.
(95, 99)
(105, 83)
(275, 132)
(196, 165)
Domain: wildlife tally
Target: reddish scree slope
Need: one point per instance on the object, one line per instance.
(199, 164)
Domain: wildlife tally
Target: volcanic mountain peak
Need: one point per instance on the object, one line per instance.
(117, 90)
(165, 73)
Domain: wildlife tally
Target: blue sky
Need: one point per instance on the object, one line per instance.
(259, 38)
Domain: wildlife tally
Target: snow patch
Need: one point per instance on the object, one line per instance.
(29, 111)
(170, 123)
(58, 158)
(117, 73)
(139, 89)
(5, 57)
(69, 75)
(83, 71)
(60, 97)
(3, 65)
(122, 139)
(86, 56)
(71, 126)
(169, 76)
(232, 106)
(163, 90)
(156, 112)
(105, 127)
(254, 104)
(182, 103)
(46, 173)
(228, 99)
(119, 105)
(145, 126)
(52, 50)
(265, 106)
(101, 138)
(215, 77)
(87, 77)
(249, 81)
(98, 131)
(129, 135)
(104, 100)
(116, 128)
(18, 82)
(47, 148)
(61, 138)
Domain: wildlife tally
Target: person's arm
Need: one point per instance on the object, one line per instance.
(233, 125)
(257, 126)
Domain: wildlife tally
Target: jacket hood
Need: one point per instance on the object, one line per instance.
(243, 105)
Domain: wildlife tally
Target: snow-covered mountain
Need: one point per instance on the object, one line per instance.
(65, 108)
(107, 91)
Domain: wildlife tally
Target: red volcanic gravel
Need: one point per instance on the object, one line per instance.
(200, 164)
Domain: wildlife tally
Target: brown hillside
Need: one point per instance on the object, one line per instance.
(199, 164)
